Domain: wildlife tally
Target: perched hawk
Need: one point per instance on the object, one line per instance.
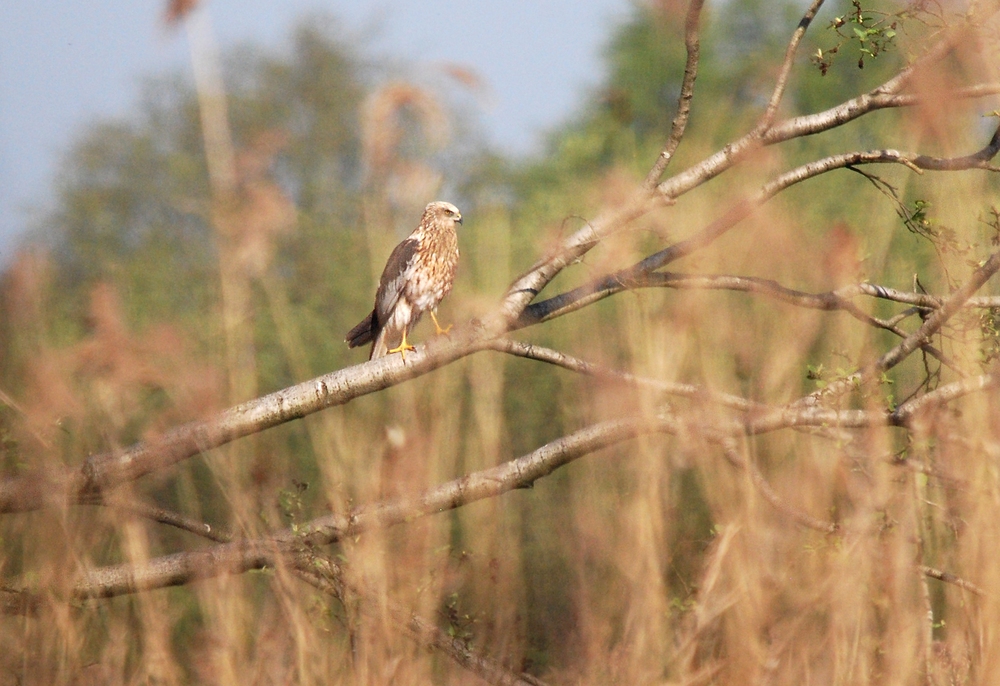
(419, 274)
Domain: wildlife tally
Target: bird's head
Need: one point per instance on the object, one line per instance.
(443, 211)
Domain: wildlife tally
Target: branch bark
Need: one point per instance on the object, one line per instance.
(582, 296)
(679, 124)
(243, 555)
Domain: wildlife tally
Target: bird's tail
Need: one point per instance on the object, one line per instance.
(381, 345)
(362, 333)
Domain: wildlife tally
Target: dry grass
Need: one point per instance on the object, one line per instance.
(653, 561)
(661, 559)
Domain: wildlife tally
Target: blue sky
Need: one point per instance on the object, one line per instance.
(65, 64)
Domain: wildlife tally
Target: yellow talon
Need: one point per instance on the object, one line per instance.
(438, 326)
(403, 347)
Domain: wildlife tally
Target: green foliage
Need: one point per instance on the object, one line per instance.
(871, 33)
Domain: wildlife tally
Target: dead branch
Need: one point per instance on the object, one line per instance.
(535, 352)
(679, 124)
(912, 342)
(162, 516)
(582, 296)
(786, 67)
(732, 453)
(106, 470)
(950, 578)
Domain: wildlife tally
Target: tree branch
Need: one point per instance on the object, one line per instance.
(679, 124)
(531, 351)
(106, 470)
(902, 350)
(786, 67)
(161, 516)
(906, 412)
(582, 296)
(950, 578)
(883, 97)
(732, 455)
(240, 556)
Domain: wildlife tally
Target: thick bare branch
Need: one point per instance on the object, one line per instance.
(105, 470)
(883, 97)
(179, 568)
(923, 301)
(518, 473)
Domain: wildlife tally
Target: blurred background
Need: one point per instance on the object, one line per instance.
(65, 66)
(198, 202)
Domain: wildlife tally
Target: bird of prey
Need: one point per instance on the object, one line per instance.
(419, 273)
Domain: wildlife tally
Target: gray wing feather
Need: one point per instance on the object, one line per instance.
(394, 277)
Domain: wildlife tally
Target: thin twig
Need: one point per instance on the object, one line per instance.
(542, 354)
(950, 578)
(13, 404)
(323, 573)
(786, 67)
(162, 516)
(902, 350)
(679, 124)
(926, 626)
(732, 454)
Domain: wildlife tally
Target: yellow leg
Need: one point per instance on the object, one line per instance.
(438, 326)
(403, 347)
